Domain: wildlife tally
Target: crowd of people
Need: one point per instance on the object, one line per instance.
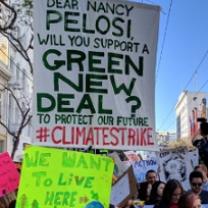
(157, 193)
(172, 194)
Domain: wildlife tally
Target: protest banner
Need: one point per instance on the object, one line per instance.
(94, 74)
(194, 157)
(9, 176)
(141, 167)
(175, 164)
(124, 189)
(60, 178)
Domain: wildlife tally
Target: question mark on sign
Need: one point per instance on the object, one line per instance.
(134, 107)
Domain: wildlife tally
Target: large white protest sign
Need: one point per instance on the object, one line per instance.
(175, 164)
(94, 74)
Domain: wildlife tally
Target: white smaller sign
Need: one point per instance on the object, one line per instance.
(175, 164)
(141, 167)
(124, 189)
(120, 190)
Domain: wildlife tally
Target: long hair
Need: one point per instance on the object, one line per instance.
(170, 187)
(154, 197)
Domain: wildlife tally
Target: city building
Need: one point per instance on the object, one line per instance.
(16, 75)
(163, 138)
(190, 106)
(4, 79)
(21, 84)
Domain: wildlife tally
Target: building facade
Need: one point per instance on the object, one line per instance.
(4, 79)
(21, 85)
(19, 96)
(190, 106)
(163, 138)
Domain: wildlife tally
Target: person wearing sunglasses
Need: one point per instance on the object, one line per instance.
(196, 181)
(203, 169)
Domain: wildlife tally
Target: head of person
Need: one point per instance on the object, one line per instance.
(151, 176)
(189, 200)
(172, 192)
(203, 169)
(196, 181)
(157, 191)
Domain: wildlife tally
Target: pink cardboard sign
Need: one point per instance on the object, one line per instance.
(9, 176)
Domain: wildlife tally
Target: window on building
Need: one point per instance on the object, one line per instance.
(18, 73)
(178, 127)
(1, 111)
(23, 79)
(11, 111)
(12, 66)
(1, 145)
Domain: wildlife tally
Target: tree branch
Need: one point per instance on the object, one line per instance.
(15, 16)
(30, 46)
(12, 21)
(15, 99)
(19, 47)
(7, 129)
(25, 120)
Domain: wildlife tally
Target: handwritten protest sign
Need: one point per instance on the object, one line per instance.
(61, 178)
(141, 167)
(9, 176)
(175, 164)
(94, 74)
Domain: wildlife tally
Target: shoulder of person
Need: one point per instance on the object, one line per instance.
(205, 186)
(161, 205)
(143, 184)
(204, 192)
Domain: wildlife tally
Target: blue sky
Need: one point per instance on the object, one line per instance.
(186, 43)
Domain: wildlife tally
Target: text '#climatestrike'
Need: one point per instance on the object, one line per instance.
(98, 136)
